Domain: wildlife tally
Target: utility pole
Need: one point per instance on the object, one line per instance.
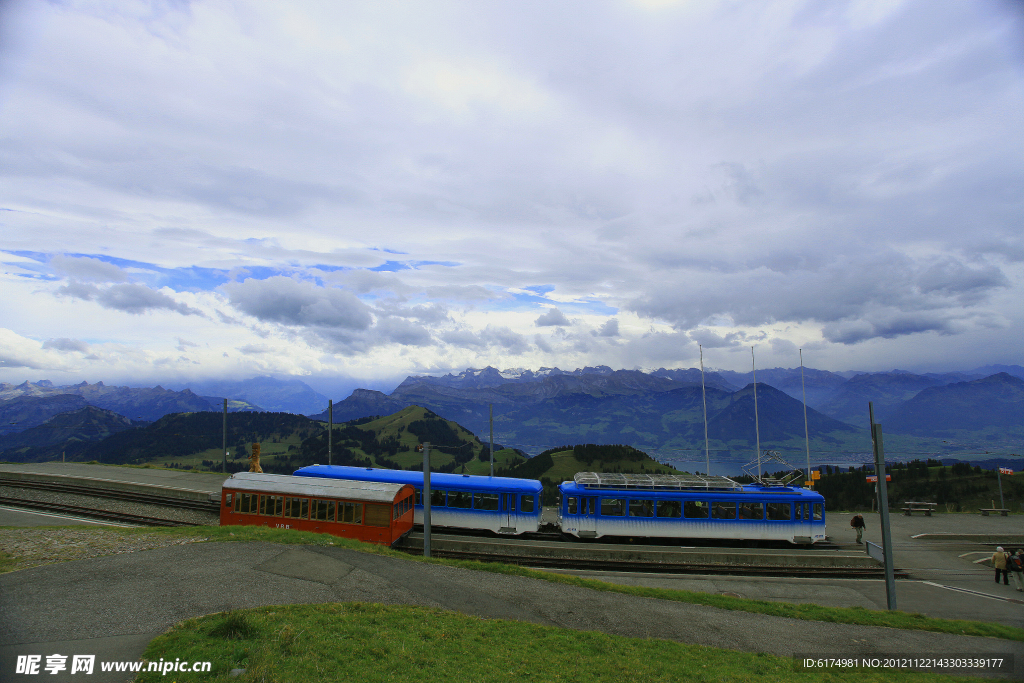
(883, 509)
(704, 398)
(224, 468)
(492, 439)
(426, 499)
(999, 478)
(330, 429)
(757, 427)
(807, 433)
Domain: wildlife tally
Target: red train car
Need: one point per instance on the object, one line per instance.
(367, 511)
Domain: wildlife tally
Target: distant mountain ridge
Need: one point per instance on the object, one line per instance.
(648, 409)
(147, 404)
(68, 433)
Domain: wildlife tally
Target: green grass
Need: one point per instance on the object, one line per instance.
(565, 466)
(7, 562)
(371, 642)
(503, 458)
(804, 611)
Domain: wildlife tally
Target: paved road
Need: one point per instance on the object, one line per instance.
(112, 606)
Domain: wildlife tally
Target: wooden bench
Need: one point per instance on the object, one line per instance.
(1002, 511)
(912, 506)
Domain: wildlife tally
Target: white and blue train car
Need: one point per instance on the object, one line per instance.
(688, 506)
(499, 504)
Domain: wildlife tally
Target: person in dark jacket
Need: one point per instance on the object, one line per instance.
(858, 524)
(1016, 566)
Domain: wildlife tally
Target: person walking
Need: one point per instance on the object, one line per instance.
(999, 562)
(1016, 565)
(858, 525)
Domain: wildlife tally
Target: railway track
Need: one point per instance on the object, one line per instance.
(662, 568)
(128, 496)
(93, 513)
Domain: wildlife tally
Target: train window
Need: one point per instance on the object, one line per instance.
(296, 508)
(247, 503)
(485, 501)
(570, 505)
(670, 508)
(798, 512)
(272, 506)
(817, 512)
(613, 507)
(779, 510)
(460, 499)
(752, 511)
(696, 509)
(419, 496)
(641, 508)
(437, 498)
(723, 510)
(350, 513)
(526, 503)
(322, 510)
(378, 515)
(227, 500)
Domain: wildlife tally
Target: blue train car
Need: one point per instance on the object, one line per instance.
(688, 506)
(499, 504)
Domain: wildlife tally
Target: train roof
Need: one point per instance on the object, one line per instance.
(738, 491)
(286, 484)
(441, 480)
(653, 482)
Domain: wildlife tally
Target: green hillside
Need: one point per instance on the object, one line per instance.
(391, 442)
(556, 465)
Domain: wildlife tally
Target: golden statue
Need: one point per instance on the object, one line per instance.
(254, 459)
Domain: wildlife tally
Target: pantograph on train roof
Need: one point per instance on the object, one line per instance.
(653, 482)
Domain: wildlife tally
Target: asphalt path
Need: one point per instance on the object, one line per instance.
(112, 606)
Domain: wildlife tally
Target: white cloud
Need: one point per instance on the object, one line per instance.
(665, 173)
(553, 317)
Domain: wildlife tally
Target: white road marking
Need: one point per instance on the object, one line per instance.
(968, 590)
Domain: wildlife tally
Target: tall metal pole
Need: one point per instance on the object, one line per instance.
(883, 509)
(757, 426)
(330, 431)
(807, 432)
(704, 397)
(999, 478)
(492, 439)
(426, 499)
(224, 467)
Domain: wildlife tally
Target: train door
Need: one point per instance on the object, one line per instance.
(508, 507)
(588, 517)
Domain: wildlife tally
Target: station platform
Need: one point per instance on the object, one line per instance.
(169, 483)
(652, 555)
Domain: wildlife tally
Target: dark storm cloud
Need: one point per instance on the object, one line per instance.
(129, 298)
(284, 300)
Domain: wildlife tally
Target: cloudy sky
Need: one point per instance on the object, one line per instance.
(357, 191)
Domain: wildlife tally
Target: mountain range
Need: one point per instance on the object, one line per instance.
(653, 410)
